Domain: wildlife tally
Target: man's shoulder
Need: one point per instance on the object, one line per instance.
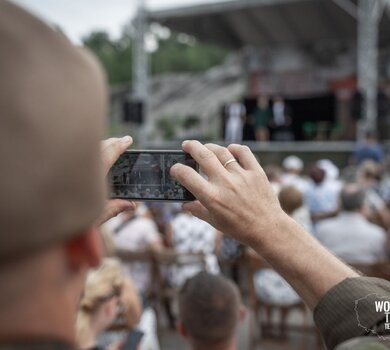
(373, 228)
(330, 224)
(358, 223)
(364, 343)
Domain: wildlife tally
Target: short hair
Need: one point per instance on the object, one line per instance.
(317, 174)
(209, 308)
(352, 197)
(290, 199)
(371, 170)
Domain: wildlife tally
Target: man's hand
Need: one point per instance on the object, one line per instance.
(111, 150)
(238, 199)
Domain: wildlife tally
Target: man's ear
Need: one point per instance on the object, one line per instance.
(242, 314)
(85, 249)
(181, 329)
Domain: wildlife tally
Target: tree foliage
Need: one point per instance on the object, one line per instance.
(176, 53)
(115, 55)
(179, 53)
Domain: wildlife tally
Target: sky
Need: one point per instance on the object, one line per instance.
(77, 18)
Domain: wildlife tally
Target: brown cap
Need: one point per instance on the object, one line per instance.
(52, 107)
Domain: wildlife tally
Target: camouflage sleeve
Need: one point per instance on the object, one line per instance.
(354, 308)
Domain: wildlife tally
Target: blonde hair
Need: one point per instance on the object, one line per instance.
(132, 306)
(101, 284)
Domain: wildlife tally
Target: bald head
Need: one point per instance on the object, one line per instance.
(52, 107)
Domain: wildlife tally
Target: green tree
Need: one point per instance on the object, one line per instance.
(115, 55)
(177, 53)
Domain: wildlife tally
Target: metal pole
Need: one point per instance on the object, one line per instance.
(369, 15)
(140, 63)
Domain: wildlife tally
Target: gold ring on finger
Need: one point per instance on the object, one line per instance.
(230, 161)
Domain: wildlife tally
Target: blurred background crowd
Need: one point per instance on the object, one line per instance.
(346, 208)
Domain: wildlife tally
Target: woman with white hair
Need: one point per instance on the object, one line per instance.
(109, 296)
(99, 303)
(293, 167)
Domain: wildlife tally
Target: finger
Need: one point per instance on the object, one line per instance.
(112, 149)
(197, 209)
(224, 155)
(192, 181)
(207, 160)
(245, 156)
(113, 208)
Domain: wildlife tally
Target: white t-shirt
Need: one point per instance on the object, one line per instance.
(299, 182)
(138, 235)
(352, 238)
(192, 235)
(279, 113)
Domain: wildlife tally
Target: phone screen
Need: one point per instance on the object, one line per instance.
(144, 176)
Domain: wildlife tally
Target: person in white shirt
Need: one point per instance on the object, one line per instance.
(192, 235)
(234, 125)
(293, 167)
(332, 175)
(350, 235)
(136, 232)
(368, 176)
(281, 121)
(321, 198)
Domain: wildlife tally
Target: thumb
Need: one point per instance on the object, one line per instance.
(113, 208)
(112, 149)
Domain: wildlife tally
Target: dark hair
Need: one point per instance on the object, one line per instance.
(352, 197)
(209, 307)
(317, 174)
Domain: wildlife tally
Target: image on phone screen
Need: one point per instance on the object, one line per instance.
(144, 175)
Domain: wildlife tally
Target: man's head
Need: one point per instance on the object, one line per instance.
(370, 171)
(263, 101)
(352, 198)
(209, 311)
(293, 164)
(52, 107)
(290, 199)
(317, 174)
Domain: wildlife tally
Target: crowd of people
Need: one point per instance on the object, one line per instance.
(58, 291)
(346, 209)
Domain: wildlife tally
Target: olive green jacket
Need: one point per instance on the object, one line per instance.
(350, 310)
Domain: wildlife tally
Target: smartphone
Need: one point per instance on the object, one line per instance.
(144, 176)
(133, 340)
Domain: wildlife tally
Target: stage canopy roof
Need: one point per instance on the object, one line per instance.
(267, 23)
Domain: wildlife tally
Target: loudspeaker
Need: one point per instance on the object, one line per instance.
(133, 112)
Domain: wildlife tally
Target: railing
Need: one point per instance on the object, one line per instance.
(274, 152)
